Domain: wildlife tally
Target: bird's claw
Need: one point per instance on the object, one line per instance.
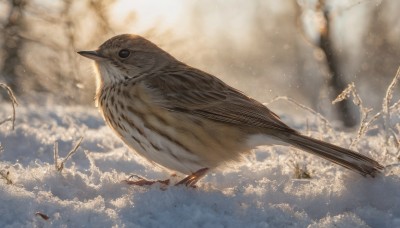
(192, 179)
(144, 182)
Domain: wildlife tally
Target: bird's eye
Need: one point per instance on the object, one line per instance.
(124, 53)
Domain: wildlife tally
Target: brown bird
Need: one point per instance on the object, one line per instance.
(187, 120)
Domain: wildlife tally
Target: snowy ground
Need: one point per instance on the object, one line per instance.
(259, 192)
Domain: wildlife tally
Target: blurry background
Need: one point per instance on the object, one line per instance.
(306, 49)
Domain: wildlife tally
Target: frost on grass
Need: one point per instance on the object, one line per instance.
(261, 191)
(387, 100)
(352, 91)
(387, 109)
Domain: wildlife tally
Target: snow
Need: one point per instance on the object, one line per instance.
(257, 192)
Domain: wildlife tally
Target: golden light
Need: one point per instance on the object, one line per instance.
(148, 13)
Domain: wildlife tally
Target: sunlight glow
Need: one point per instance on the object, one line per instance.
(148, 12)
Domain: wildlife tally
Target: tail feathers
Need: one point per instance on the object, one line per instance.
(341, 156)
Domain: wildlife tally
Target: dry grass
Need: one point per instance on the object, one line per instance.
(388, 108)
(60, 166)
(6, 176)
(301, 172)
(326, 125)
(13, 103)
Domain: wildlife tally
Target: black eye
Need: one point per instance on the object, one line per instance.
(124, 53)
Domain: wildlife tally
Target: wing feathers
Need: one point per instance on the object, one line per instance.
(185, 89)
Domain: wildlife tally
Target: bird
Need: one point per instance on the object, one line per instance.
(187, 120)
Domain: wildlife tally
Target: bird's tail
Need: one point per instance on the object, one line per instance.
(341, 156)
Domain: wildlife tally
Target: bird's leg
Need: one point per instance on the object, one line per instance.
(192, 179)
(143, 182)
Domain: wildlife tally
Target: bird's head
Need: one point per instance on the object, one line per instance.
(126, 56)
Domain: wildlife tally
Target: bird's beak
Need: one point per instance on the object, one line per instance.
(94, 55)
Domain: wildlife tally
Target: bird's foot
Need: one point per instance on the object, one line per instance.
(192, 179)
(140, 181)
(188, 181)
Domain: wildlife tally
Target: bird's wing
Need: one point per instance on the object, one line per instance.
(189, 90)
